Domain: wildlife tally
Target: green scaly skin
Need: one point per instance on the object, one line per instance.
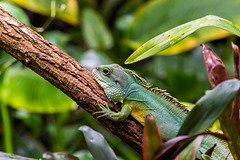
(138, 99)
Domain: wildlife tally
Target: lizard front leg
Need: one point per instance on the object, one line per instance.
(115, 116)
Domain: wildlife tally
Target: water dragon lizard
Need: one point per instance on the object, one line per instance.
(139, 99)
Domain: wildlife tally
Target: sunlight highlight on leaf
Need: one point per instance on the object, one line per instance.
(65, 10)
(175, 35)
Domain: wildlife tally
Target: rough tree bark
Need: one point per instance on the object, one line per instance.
(64, 72)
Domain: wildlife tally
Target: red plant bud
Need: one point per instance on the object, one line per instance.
(215, 67)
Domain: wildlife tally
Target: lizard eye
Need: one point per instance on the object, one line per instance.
(106, 71)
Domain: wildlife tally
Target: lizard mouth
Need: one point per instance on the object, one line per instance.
(96, 76)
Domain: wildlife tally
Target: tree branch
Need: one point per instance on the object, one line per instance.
(64, 72)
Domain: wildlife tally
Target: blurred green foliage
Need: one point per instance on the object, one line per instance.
(102, 32)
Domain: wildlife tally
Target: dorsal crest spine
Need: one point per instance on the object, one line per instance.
(139, 79)
(156, 90)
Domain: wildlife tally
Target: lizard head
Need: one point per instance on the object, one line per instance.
(113, 79)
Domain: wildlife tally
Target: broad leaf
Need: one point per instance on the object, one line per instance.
(175, 35)
(16, 12)
(23, 89)
(190, 152)
(209, 108)
(7, 156)
(97, 144)
(65, 10)
(95, 31)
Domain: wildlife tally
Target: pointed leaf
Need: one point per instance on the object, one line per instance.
(210, 150)
(209, 108)
(173, 36)
(190, 152)
(7, 156)
(95, 31)
(97, 144)
(151, 138)
(174, 146)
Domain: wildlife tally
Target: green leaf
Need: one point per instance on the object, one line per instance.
(97, 144)
(175, 35)
(7, 132)
(206, 157)
(16, 12)
(7, 156)
(83, 154)
(60, 39)
(209, 108)
(23, 89)
(95, 31)
(6, 60)
(59, 156)
(151, 138)
(65, 10)
(174, 146)
(156, 17)
(190, 152)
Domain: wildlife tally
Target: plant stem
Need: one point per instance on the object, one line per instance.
(7, 133)
(60, 141)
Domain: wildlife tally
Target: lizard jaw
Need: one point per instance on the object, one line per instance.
(96, 76)
(100, 80)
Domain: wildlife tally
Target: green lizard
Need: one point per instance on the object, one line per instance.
(138, 99)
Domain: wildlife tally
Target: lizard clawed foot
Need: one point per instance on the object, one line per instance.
(106, 111)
